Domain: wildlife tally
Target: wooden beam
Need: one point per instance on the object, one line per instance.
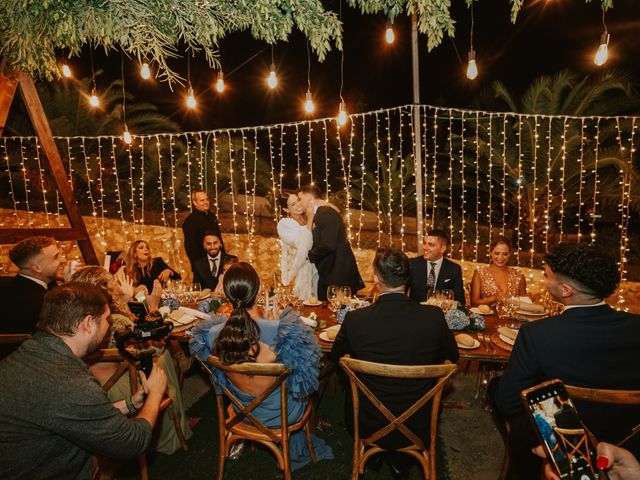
(8, 86)
(14, 235)
(48, 144)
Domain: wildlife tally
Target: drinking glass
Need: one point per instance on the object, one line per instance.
(447, 300)
(333, 294)
(345, 295)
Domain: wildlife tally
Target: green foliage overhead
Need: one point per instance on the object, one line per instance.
(34, 32)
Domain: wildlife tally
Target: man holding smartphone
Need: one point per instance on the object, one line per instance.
(589, 345)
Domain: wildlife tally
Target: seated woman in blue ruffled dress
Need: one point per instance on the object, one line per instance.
(249, 336)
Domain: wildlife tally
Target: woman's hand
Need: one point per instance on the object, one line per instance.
(125, 284)
(155, 297)
(165, 275)
(620, 464)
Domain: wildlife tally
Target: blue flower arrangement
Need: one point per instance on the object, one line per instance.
(458, 319)
(171, 301)
(342, 311)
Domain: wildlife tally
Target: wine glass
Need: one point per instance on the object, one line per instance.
(345, 295)
(195, 291)
(333, 293)
(447, 300)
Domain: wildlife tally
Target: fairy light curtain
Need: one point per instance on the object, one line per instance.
(538, 179)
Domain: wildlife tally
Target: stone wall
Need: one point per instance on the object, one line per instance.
(263, 252)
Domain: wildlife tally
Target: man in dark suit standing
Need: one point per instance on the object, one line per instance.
(398, 331)
(331, 252)
(207, 269)
(432, 271)
(197, 223)
(21, 297)
(589, 345)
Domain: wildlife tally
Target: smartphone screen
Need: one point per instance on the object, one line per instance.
(567, 442)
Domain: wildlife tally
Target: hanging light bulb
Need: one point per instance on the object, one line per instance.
(272, 80)
(191, 99)
(389, 35)
(66, 71)
(603, 52)
(94, 101)
(145, 71)
(342, 114)
(220, 82)
(126, 136)
(309, 107)
(472, 68)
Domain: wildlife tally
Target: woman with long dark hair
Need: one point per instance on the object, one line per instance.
(249, 335)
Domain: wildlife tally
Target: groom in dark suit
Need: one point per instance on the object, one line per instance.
(432, 271)
(589, 345)
(207, 269)
(331, 252)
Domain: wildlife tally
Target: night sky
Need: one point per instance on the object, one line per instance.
(550, 35)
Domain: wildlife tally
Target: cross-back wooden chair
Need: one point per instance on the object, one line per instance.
(365, 448)
(111, 355)
(607, 396)
(237, 422)
(575, 443)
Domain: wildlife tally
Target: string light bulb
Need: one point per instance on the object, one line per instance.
(309, 107)
(472, 68)
(342, 114)
(66, 71)
(191, 99)
(220, 82)
(126, 135)
(272, 79)
(602, 54)
(145, 71)
(389, 34)
(94, 101)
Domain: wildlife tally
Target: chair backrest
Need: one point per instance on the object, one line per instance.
(242, 412)
(441, 373)
(599, 395)
(13, 338)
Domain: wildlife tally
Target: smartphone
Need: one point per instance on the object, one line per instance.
(569, 445)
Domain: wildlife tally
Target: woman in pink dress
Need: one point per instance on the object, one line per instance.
(497, 280)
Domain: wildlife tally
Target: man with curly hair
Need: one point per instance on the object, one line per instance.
(21, 296)
(589, 345)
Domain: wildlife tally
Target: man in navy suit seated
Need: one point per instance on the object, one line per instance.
(21, 296)
(432, 271)
(589, 345)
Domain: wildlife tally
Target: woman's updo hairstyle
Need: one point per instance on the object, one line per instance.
(500, 240)
(239, 339)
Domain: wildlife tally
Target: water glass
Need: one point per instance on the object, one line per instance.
(345, 295)
(333, 296)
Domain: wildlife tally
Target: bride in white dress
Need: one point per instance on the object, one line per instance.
(296, 241)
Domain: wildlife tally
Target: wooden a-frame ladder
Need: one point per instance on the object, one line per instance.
(9, 84)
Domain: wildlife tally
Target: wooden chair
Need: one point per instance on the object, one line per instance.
(606, 396)
(111, 355)
(574, 442)
(238, 423)
(10, 341)
(363, 449)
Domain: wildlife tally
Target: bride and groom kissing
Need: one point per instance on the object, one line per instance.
(315, 248)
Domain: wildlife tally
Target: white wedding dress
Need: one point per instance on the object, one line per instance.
(296, 241)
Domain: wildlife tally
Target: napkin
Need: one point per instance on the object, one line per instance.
(309, 321)
(195, 313)
(508, 332)
(526, 305)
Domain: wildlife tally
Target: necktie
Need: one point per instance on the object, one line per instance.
(431, 279)
(214, 266)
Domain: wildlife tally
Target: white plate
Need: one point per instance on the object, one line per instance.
(195, 313)
(309, 304)
(476, 344)
(532, 314)
(506, 339)
(323, 336)
(479, 312)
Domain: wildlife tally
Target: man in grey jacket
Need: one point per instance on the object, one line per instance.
(54, 415)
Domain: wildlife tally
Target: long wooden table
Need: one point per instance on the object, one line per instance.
(500, 355)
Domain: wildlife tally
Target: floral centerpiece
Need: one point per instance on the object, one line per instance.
(353, 304)
(459, 319)
(215, 303)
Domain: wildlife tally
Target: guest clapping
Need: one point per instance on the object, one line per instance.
(144, 269)
(497, 280)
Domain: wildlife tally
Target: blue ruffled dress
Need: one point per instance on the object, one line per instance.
(296, 347)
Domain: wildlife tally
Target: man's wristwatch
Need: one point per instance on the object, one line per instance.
(130, 406)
